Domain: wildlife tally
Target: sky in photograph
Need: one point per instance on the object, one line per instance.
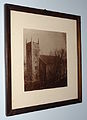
(49, 41)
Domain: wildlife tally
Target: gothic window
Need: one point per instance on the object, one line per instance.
(36, 76)
(36, 67)
(36, 53)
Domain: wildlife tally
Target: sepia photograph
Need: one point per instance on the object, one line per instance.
(45, 59)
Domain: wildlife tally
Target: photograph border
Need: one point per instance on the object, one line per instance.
(44, 12)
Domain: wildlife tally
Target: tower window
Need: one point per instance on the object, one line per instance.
(36, 67)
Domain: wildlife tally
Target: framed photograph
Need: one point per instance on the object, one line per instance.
(42, 59)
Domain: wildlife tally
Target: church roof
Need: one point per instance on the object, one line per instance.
(48, 59)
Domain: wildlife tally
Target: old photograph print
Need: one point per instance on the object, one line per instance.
(45, 59)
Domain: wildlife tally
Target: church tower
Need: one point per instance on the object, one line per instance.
(32, 60)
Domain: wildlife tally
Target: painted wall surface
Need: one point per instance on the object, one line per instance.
(70, 112)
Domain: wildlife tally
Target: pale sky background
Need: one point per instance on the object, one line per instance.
(48, 40)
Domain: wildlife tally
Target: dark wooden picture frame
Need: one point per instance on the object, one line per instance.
(9, 33)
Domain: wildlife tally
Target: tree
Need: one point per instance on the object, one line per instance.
(57, 70)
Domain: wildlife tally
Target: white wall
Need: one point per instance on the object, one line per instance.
(71, 112)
